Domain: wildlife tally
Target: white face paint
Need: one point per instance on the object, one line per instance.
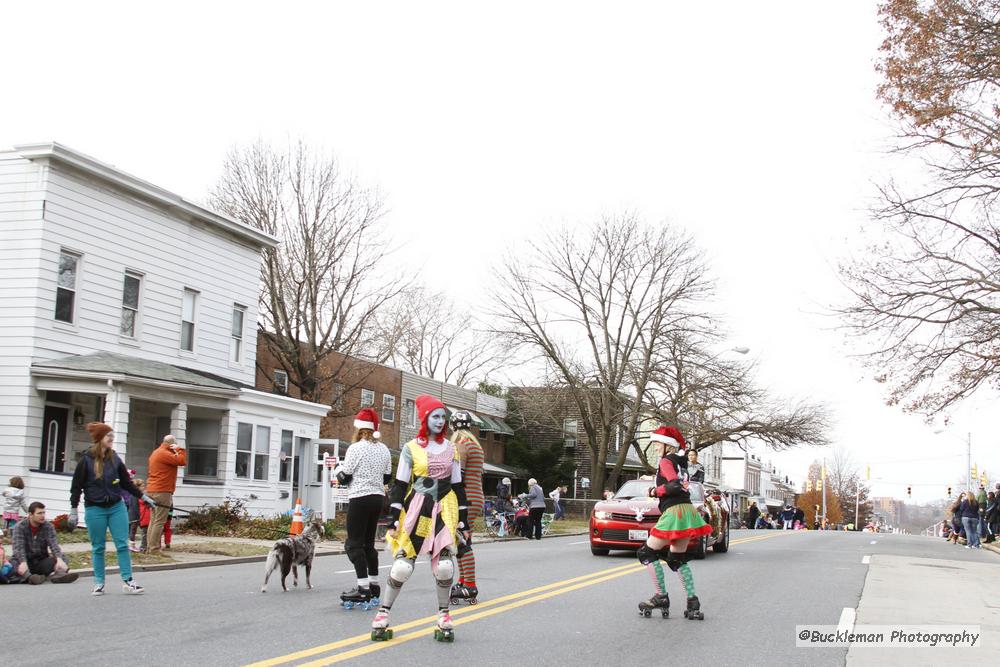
(436, 421)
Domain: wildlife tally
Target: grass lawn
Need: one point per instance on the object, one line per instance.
(232, 549)
(564, 526)
(81, 560)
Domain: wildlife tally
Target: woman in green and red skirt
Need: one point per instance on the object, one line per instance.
(679, 523)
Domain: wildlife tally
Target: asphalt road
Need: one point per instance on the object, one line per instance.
(543, 603)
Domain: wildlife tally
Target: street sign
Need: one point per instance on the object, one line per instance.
(330, 461)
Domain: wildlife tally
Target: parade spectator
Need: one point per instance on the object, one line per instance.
(13, 503)
(992, 516)
(132, 503)
(503, 496)
(522, 521)
(981, 500)
(161, 484)
(6, 569)
(100, 477)
(536, 507)
(799, 518)
(753, 514)
(37, 555)
(969, 510)
(696, 471)
(556, 507)
(145, 516)
(787, 517)
(608, 494)
(955, 517)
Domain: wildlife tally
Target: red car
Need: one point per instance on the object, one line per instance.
(624, 521)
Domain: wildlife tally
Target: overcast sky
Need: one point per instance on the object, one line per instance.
(752, 125)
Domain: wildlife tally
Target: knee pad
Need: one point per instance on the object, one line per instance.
(445, 570)
(675, 560)
(401, 570)
(647, 554)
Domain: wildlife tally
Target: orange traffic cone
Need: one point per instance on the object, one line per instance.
(296, 527)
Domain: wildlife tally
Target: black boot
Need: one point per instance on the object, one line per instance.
(693, 610)
(658, 601)
(356, 597)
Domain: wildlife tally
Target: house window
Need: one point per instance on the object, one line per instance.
(410, 413)
(569, 433)
(69, 264)
(338, 396)
(261, 453)
(289, 466)
(388, 408)
(202, 447)
(280, 382)
(130, 303)
(244, 449)
(367, 398)
(236, 342)
(189, 308)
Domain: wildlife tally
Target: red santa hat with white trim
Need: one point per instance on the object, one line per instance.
(367, 418)
(669, 435)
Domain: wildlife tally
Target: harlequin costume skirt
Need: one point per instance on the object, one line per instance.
(680, 521)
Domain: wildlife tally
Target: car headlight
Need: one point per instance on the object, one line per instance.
(601, 515)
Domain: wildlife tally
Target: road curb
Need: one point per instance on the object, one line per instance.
(239, 560)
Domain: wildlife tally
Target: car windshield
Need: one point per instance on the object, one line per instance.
(639, 488)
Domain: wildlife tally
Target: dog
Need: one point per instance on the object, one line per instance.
(292, 551)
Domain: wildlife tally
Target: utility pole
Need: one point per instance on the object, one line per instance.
(968, 462)
(822, 474)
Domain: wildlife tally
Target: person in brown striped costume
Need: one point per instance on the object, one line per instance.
(471, 454)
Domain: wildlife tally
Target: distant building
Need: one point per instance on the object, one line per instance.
(888, 511)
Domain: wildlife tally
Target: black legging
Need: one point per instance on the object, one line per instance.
(535, 517)
(362, 522)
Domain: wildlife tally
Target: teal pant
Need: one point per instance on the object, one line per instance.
(99, 521)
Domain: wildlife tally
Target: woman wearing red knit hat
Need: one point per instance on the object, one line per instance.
(101, 476)
(428, 508)
(366, 469)
(679, 523)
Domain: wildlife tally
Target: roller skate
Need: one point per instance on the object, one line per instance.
(376, 592)
(444, 631)
(693, 610)
(356, 597)
(380, 626)
(460, 592)
(658, 601)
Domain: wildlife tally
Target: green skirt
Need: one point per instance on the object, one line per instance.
(679, 522)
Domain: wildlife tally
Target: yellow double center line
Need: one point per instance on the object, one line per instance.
(425, 626)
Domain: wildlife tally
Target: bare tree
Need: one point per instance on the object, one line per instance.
(428, 335)
(597, 307)
(324, 283)
(716, 400)
(926, 300)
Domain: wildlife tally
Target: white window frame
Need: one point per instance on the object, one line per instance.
(194, 294)
(367, 398)
(282, 386)
(388, 408)
(410, 412)
(244, 452)
(73, 290)
(261, 450)
(236, 339)
(128, 308)
(569, 441)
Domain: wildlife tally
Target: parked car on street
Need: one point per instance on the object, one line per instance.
(624, 521)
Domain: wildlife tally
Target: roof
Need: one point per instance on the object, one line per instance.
(58, 153)
(109, 363)
(632, 461)
(506, 471)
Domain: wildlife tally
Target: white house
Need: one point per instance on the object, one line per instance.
(124, 303)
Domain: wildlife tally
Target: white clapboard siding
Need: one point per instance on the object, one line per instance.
(456, 397)
(491, 405)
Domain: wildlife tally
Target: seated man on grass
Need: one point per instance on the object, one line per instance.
(37, 555)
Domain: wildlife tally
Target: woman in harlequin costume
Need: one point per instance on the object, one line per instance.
(679, 523)
(428, 508)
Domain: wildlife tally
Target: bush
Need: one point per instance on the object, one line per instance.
(231, 519)
(61, 523)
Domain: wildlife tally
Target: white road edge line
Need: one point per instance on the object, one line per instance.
(572, 543)
(847, 617)
(866, 560)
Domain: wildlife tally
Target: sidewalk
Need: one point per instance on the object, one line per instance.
(904, 590)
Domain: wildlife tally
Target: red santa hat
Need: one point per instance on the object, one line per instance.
(669, 435)
(367, 418)
(427, 404)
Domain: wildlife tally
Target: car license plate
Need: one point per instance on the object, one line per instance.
(634, 535)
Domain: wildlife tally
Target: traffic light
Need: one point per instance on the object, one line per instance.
(819, 485)
(809, 485)
(909, 491)
(817, 509)
(949, 492)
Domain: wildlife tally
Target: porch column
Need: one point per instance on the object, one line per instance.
(116, 412)
(178, 429)
(227, 446)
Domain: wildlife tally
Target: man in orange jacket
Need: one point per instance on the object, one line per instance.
(161, 484)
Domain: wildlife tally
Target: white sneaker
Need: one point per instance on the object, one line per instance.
(132, 588)
(98, 589)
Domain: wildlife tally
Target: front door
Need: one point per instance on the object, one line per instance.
(54, 426)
